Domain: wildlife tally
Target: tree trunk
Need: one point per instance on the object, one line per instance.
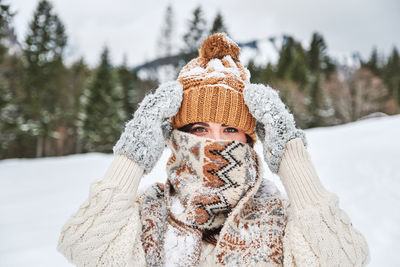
(61, 139)
(48, 147)
(39, 146)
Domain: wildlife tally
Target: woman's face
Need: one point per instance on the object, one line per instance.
(218, 131)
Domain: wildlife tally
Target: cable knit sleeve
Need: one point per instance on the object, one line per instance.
(106, 229)
(318, 232)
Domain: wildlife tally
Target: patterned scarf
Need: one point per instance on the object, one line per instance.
(211, 185)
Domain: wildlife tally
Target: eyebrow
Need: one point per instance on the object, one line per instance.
(202, 124)
(207, 125)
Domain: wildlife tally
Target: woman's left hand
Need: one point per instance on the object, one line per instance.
(275, 124)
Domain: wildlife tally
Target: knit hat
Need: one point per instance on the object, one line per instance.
(213, 86)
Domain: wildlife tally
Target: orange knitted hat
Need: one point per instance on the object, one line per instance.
(213, 86)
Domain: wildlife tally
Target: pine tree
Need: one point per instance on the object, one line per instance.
(269, 74)
(196, 32)
(165, 48)
(255, 72)
(78, 76)
(103, 109)
(5, 25)
(317, 107)
(373, 64)
(44, 80)
(11, 142)
(298, 71)
(5, 20)
(318, 60)
(292, 63)
(316, 53)
(391, 74)
(165, 39)
(127, 80)
(286, 56)
(320, 66)
(218, 24)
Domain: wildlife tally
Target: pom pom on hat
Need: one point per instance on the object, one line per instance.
(219, 45)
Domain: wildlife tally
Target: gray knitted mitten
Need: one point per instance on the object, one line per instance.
(143, 138)
(275, 124)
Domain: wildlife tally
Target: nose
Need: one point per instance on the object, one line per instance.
(215, 134)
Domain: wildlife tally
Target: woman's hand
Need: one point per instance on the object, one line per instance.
(275, 124)
(143, 137)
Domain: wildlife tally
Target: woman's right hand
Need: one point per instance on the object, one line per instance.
(143, 138)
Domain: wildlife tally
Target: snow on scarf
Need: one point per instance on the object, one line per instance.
(212, 184)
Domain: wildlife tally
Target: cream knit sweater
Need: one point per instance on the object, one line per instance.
(106, 230)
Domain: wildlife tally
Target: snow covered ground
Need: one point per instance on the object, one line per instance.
(357, 161)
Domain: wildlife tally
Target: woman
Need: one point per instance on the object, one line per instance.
(215, 208)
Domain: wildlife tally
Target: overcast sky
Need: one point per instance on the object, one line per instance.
(131, 27)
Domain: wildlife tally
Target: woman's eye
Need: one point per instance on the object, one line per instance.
(231, 130)
(198, 130)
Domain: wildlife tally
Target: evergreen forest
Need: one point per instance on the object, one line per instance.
(50, 108)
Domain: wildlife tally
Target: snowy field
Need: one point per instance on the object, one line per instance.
(358, 161)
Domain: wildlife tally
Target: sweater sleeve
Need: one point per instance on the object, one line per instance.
(106, 228)
(318, 232)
